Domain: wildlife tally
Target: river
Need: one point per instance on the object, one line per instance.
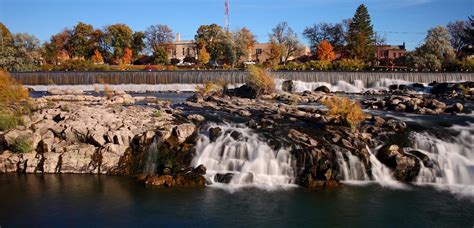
(107, 201)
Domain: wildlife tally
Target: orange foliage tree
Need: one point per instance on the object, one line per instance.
(97, 57)
(127, 56)
(325, 51)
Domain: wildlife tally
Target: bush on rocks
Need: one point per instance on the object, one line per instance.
(22, 144)
(260, 80)
(343, 109)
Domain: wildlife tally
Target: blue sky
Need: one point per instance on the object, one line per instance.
(398, 20)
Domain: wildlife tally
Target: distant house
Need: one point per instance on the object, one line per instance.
(389, 52)
(181, 49)
(261, 52)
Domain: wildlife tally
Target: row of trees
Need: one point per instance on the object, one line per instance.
(118, 44)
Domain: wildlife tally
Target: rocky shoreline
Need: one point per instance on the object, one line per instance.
(74, 133)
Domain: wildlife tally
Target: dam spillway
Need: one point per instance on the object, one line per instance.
(232, 77)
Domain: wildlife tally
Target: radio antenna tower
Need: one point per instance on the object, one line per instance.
(227, 15)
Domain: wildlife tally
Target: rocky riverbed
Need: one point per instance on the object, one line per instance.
(69, 132)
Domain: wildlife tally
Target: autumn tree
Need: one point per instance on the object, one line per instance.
(57, 47)
(80, 41)
(161, 56)
(138, 43)
(287, 40)
(456, 30)
(97, 57)
(361, 36)
(435, 51)
(211, 37)
(127, 56)
(244, 41)
(158, 37)
(325, 51)
(18, 52)
(117, 38)
(203, 57)
(468, 37)
(274, 57)
(335, 34)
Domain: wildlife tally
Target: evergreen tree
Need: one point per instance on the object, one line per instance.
(361, 36)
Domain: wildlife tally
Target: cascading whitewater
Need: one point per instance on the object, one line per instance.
(248, 159)
(354, 171)
(300, 86)
(453, 159)
(351, 168)
(151, 157)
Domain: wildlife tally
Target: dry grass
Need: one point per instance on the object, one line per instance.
(210, 87)
(260, 80)
(10, 90)
(107, 91)
(13, 102)
(344, 110)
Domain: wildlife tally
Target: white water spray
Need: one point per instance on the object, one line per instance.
(249, 160)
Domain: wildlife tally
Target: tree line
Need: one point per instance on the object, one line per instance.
(352, 41)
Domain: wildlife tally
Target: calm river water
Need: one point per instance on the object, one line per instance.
(106, 201)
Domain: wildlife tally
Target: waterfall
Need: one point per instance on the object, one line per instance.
(451, 165)
(151, 158)
(382, 174)
(453, 159)
(241, 155)
(354, 171)
(351, 167)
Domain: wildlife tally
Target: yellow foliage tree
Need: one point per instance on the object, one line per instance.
(325, 51)
(203, 57)
(97, 57)
(274, 57)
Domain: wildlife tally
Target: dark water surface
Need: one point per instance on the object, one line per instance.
(104, 201)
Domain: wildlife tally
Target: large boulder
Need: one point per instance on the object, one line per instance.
(183, 131)
(223, 177)
(288, 86)
(214, 133)
(405, 166)
(164, 180)
(77, 158)
(323, 89)
(244, 91)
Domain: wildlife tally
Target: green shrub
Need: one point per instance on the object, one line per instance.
(22, 144)
(467, 65)
(318, 65)
(260, 80)
(65, 108)
(349, 65)
(294, 66)
(157, 113)
(8, 121)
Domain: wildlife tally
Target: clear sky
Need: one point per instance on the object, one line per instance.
(398, 20)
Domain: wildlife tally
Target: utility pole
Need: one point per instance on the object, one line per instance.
(227, 15)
